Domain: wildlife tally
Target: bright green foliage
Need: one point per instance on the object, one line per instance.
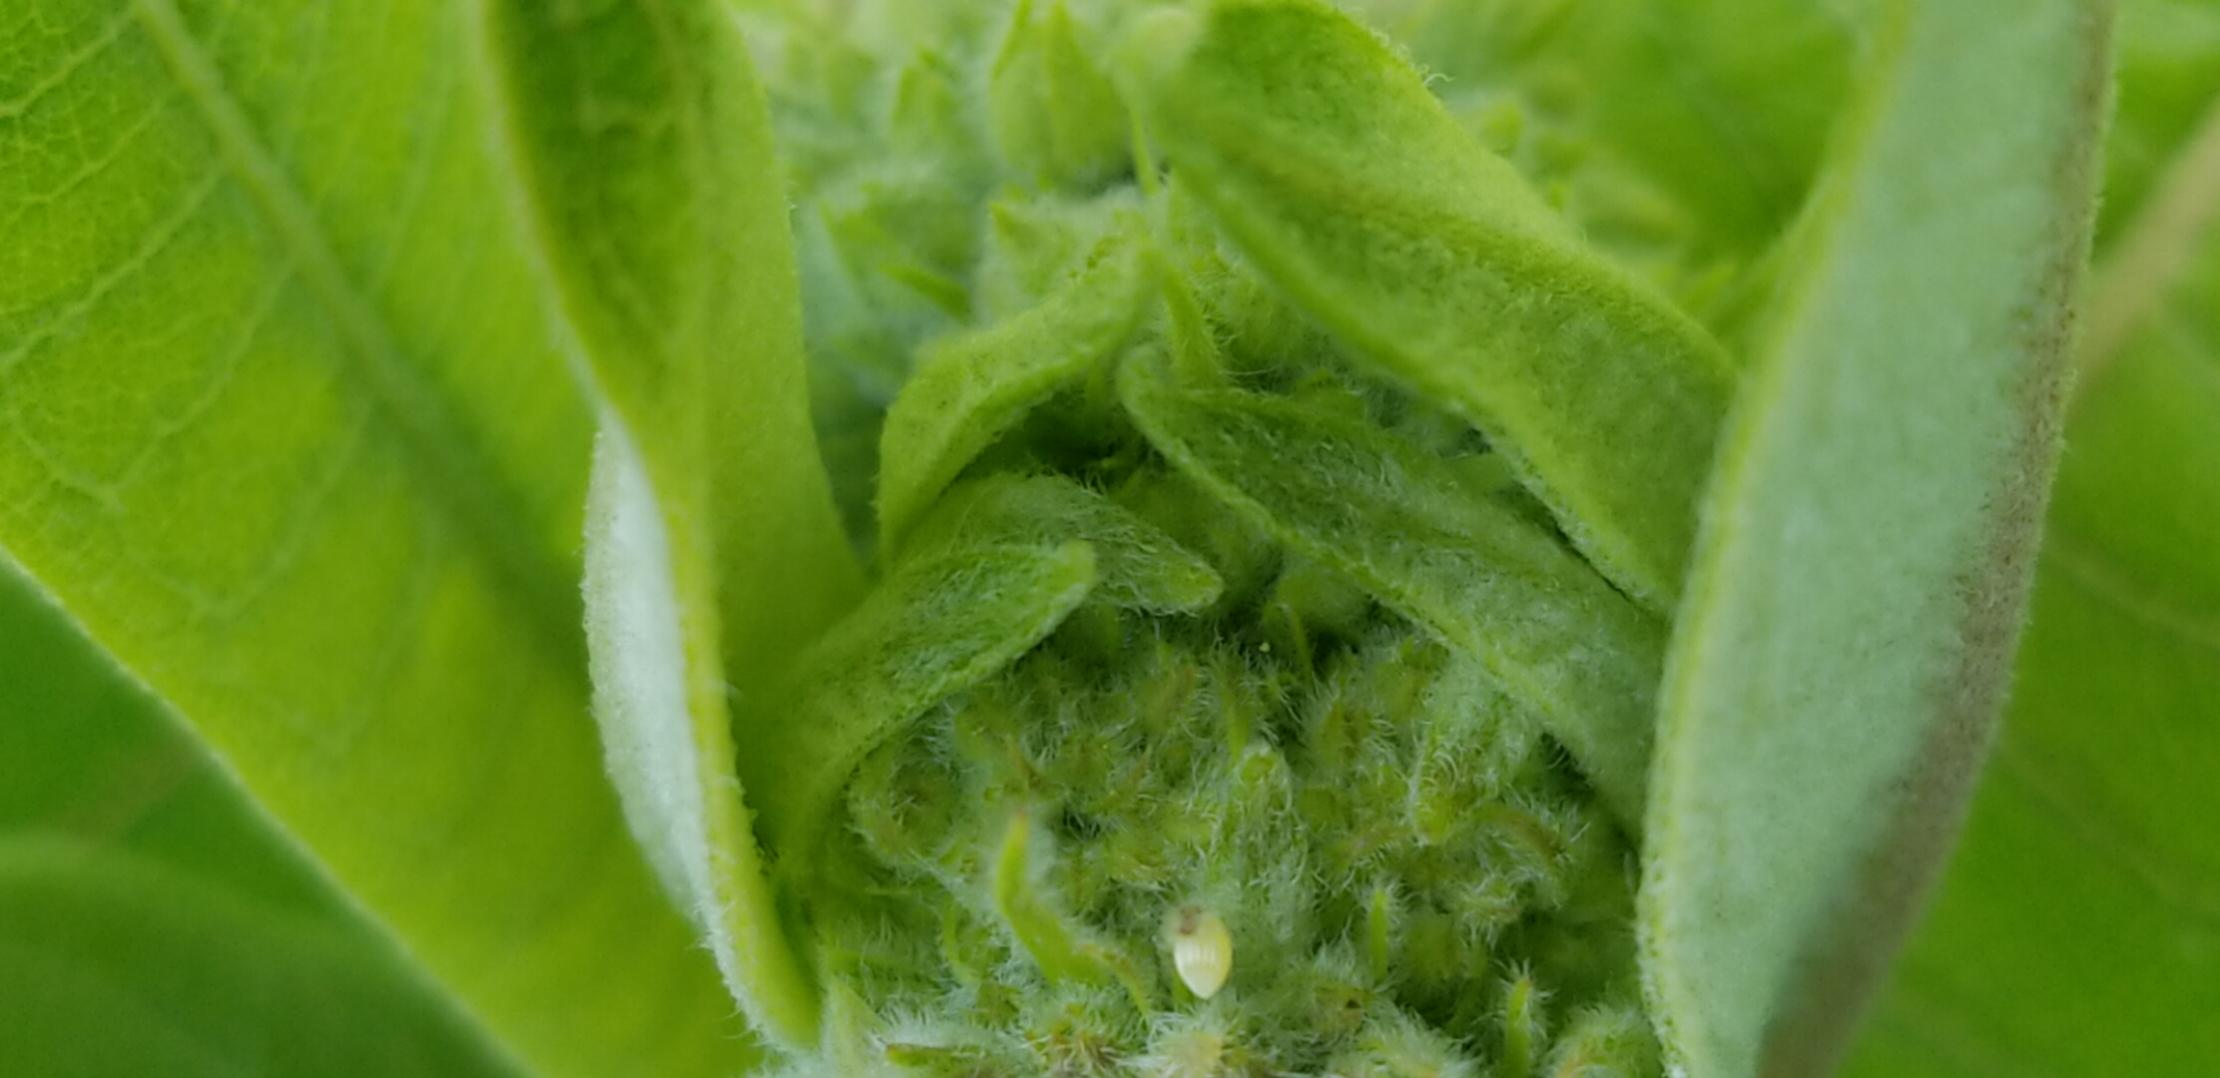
(642, 147)
(134, 872)
(1691, 185)
(282, 428)
(1550, 630)
(1325, 159)
(88, 757)
(1283, 457)
(1849, 626)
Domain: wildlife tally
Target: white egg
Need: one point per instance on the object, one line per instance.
(1202, 950)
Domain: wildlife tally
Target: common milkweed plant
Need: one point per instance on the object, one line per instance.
(1164, 537)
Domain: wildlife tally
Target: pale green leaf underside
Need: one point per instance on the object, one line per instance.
(1328, 162)
(112, 964)
(1549, 631)
(668, 739)
(1866, 541)
(2077, 930)
(281, 427)
(639, 146)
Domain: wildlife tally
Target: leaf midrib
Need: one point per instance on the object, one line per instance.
(462, 485)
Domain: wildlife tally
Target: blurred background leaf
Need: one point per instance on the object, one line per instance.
(151, 921)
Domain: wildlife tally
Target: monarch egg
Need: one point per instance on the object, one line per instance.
(1202, 950)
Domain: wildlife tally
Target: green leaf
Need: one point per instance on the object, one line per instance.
(2075, 931)
(1550, 631)
(282, 430)
(113, 965)
(1323, 156)
(1722, 158)
(1055, 115)
(937, 625)
(1141, 568)
(88, 757)
(1868, 535)
(971, 389)
(116, 826)
(639, 143)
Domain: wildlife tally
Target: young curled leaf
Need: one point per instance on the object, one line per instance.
(1141, 567)
(972, 389)
(1404, 525)
(936, 626)
(1325, 158)
(636, 145)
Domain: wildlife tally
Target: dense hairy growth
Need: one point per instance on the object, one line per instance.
(1215, 618)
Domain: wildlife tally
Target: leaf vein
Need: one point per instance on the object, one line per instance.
(16, 107)
(460, 481)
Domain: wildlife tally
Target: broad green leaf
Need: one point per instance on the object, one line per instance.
(2076, 930)
(1868, 535)
(1324, 157)
(639, 143)
(937, 625)
(282, 430)
(971, 389)
(115, 965)
(1550, 631)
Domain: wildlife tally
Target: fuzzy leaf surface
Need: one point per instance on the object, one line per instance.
(2076, 930)
(1868, 536)
(1550, 631)
(639, 141)
(1326, 159)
